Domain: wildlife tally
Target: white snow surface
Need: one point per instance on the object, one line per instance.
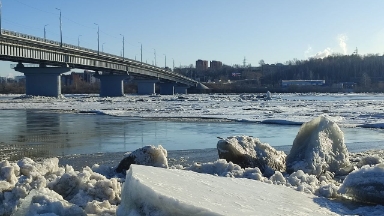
(157, 191)
(282, 109)
(34, 188)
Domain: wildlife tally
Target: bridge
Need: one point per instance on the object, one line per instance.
(50, 59)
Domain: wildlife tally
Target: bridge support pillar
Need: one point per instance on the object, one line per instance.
(167, 88)
(181, 89)
(42, 81)
(111, 85)
(146, 87)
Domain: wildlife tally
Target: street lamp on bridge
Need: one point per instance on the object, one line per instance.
(102, 47)
(0, 15)
(155, 55)
(141, 52)
(98, 38)
(165, 62)
(45, 33)
(123, 44)
(78, 40)
(61, 31)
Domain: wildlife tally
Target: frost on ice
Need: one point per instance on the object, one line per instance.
(148, 155)
(365, 184)
(155, 191)
(319, 147)
(250, 152)
(31, 188)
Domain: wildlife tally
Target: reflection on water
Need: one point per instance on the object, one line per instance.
(35, 133)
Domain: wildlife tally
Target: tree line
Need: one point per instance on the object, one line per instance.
(366, 71)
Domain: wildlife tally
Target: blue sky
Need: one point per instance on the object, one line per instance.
(223, 30)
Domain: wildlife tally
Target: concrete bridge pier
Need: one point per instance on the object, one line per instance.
(111, 85)
(181, 89)
(42, 80)
(167, 88)
(146, 87)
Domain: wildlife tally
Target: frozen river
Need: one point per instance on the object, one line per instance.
(49, 133)
(90, 135)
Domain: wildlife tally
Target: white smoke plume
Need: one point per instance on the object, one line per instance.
(323, 54)
(342, 38)
(10, 76)
(308, 51)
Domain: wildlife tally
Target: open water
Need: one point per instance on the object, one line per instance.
(36, 133)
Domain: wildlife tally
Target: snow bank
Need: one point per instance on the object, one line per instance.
(365, 184)
(319, 147)
(154, 191)
(29, 188)
(45, 201)
(324, 186)
(148, 155)
(250, 152)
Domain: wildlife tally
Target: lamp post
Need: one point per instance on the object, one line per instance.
(0, 15)
(45, 33)
(78, 40)
(123, 44)
(165, 62)
(61, 31)
(155, 55)
(98, 38)
(141, 52)
(173, 61)
(102, 47)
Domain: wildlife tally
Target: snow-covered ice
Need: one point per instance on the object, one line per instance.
(221, 188)
(250, 152)
(363, 110)
(319, 147)
(157, 191)
(365, 184)
(148, 155)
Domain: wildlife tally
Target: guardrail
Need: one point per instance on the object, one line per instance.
(64, 45)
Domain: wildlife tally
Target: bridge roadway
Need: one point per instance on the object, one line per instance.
(60, 58)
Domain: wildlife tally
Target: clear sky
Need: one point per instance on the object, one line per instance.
(187, 30)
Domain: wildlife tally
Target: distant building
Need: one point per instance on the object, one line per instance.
(201, 65)
(89, 78)
(74, 78)
(215, 65)
(286, 83)
(268, 69)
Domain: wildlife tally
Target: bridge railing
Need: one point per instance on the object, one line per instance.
(52, 42)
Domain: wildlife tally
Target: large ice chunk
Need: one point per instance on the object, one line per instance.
(154, 191)
(365, 184)
(319, 147)
(148, 155)
(250, 152)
